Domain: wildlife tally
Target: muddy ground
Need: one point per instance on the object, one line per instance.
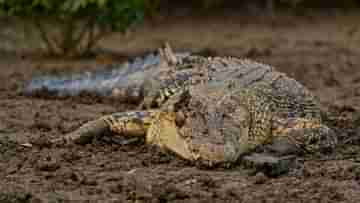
(321, 51)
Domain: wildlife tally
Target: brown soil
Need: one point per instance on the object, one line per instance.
(322, 52)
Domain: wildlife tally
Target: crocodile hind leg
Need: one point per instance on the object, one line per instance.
(129, 124)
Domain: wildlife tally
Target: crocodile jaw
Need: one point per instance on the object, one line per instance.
(163, 132)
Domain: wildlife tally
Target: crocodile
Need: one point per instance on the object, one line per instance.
(215, 110)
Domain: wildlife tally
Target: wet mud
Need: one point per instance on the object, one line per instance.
(104, 172)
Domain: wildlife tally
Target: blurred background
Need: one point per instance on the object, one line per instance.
(316, 42)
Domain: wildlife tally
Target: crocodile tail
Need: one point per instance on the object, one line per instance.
(128, 76)
(64, 86)
(101, 83)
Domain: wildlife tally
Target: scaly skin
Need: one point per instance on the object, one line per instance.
(214, 110)
(218, 124)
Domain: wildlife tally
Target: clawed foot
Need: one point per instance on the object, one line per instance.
(269, 164)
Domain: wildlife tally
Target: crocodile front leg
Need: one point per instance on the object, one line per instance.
(129, 124)
(298, 135)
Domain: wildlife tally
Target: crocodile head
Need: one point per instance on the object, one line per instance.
(213, 128)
